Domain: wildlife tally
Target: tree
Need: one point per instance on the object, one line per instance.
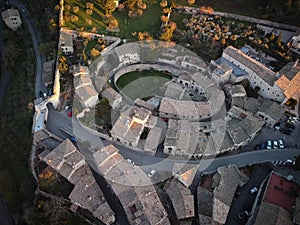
(108, 5)
(63, 66)
(95, 53)
(130, 4)
(163, 3)
(289, 3)
(168, 31)
(191, 2)
(297, 4)
(272, 37)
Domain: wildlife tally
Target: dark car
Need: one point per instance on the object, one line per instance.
(243, 215)
(50, 92)
(286, 131)
(289, 125)
(43, 95)
(263, 146)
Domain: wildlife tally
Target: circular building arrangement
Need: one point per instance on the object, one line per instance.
(184, 117)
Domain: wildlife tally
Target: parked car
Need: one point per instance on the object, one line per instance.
(50, 92)
(69, 114)
(130, 161)
(293, 118)
(290, 162)
(277, 126)
(275, 144)
(289, 121)
(151, 173)
(286, 131)
(73, 139)
(263, 146)
(243, 215)
(280, 142)
(290, 125)
(254, 190)
(43, 95)
(269, 145)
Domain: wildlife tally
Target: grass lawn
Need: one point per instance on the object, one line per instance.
(96, 17)
(143, 84)
(149, 21)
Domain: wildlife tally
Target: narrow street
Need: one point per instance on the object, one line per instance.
(5, 76)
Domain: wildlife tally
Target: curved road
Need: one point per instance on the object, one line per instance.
(5, 217)
(5, 76)
(39, 85)
(56, 120)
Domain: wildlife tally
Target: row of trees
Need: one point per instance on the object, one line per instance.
(131, 5)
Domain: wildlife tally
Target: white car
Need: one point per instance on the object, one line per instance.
(151, 173)
(290, 162)
(130, 161)
(269, 145)
(291, 121)
(254, 190)
(293, 118)
(281, 145)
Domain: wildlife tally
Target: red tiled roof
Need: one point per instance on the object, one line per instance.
(281, 192)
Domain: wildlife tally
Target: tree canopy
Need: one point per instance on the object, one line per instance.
(108, 5)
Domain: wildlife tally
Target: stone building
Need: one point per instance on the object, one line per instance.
(225, 183)
(181, 198)
(289, 82)
(70, 163)
(133, 188)
(113, 97)
(66, 41)
(271, 112)
(130, 125)
(85, 92)
(258, 74)
(12, 18)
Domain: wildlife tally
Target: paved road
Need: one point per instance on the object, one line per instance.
(5, 217)
(245, 200)
(39, 85)
(59, 119)
(5, 77)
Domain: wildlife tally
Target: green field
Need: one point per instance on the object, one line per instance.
(96, 17)
(143, 84)
(149, 21)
